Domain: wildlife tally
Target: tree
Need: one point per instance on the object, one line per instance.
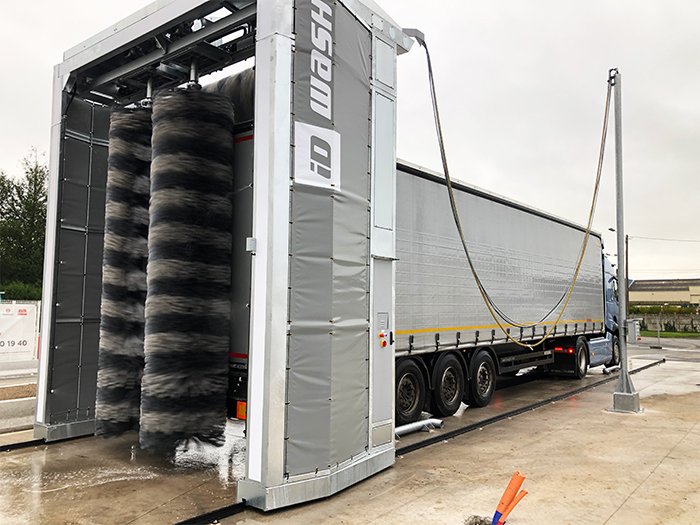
(22, 227)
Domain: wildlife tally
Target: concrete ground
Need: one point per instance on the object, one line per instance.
(583, 464)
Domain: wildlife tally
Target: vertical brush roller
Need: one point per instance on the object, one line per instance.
(188, 305)
(120, 357)
(240, 90)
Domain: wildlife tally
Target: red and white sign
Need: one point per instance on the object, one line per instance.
(18, 332)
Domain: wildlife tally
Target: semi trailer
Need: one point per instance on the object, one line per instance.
(448, 347)
(253, 243)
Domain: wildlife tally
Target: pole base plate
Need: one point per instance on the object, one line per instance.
(626, 402)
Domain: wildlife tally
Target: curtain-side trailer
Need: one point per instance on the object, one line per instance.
(448, 347)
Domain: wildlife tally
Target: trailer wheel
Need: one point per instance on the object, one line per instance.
(410, 392)
(483, 379)
(581, 358)
(448, 386)
(615, 359)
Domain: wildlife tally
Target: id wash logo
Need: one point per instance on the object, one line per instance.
(321, 84)
(317, 145)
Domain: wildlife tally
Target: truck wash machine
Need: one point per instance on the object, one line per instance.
(312, 236)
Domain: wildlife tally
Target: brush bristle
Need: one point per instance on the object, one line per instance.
(120, 355)
(188, 305)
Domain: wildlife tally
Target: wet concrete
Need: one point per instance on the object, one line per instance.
(583, 464)
(97, 480)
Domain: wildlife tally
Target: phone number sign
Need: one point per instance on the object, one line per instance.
(18, 331)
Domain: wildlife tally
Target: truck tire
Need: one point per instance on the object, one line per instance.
(615, 359)
(410, 392)
(581, 358)
(448, 385)
(482, 373)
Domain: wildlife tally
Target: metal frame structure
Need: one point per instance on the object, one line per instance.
(152, 49)
(166, 45)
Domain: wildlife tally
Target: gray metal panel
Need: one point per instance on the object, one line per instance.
(328, 402)
(525, 261)
(93, 278)
(88, 370)
(64, 373)
(350, 371)
(76, 158)
(98, 182)
(78, 267)
(74, 199)
(78, 116)
(383, 358)
(384, 161)
(310, 310)
(242, 229)
(69, 283)
(309, 388)
(382, 433)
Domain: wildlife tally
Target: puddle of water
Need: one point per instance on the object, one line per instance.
(62, 466)
(35, 483)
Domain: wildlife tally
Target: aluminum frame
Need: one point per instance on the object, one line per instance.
(266, 484)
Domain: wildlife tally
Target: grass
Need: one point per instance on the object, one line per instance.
(671, 335)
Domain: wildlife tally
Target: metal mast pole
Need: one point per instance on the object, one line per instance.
(625, 398)
(627, 276)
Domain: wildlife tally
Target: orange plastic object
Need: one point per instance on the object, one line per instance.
(511, 490)
(241, 408)
(512, 505)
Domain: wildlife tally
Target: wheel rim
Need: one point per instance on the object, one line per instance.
(449, 390)
(483, 379)
(582, 360)
(408, 393)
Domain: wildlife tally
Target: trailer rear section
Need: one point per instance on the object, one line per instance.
(448, 347)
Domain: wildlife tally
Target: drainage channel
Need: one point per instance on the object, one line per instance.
(215, 515)
(442, 436)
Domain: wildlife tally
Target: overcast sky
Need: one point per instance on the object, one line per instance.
(521, 87)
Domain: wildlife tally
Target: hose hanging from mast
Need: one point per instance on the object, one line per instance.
(492, 307)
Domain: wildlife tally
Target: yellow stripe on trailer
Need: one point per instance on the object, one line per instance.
(486, 327)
